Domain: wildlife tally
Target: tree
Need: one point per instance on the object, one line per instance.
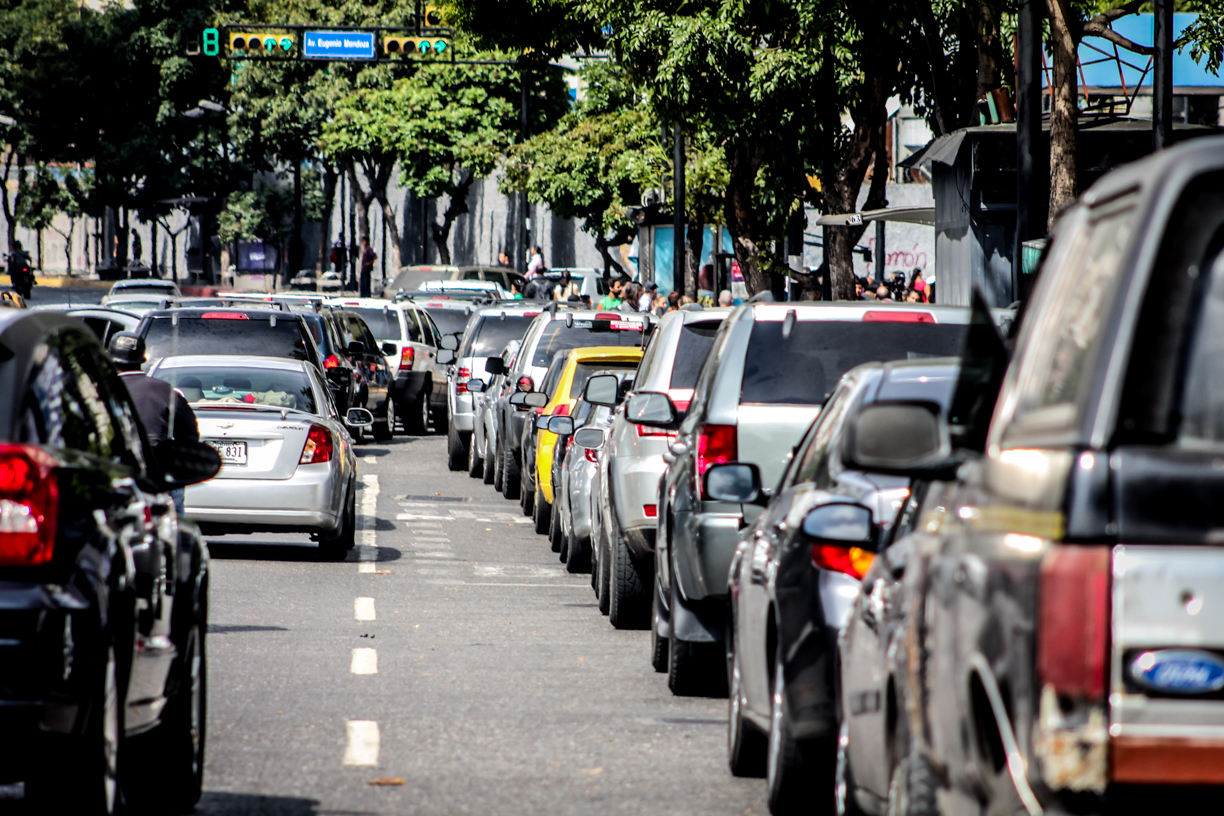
(43, 197)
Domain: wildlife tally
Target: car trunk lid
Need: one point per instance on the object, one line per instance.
(270, 441)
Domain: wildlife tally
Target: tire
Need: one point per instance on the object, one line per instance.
(605, 575)
(416, 420)
(685, 666)
(511, 475)
(746, 746)
(172, 755)
(456, 455)
(658, 643)
(338, 542)
(88, 762)
(628, 605)
(476, 463)
(795, 768)
(554, 525)
(844, 803)
(384, 432)
(441, 419)
(578, 554)
(495, 463)
(527, 490)
(542, 515)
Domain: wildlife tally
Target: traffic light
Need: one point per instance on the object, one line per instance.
(418, 46)
(260, 44)
(211, 42)
(432, 18)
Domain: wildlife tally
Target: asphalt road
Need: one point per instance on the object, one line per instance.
(450, 657)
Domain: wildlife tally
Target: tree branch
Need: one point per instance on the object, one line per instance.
(1114, 14)
(1105, 32)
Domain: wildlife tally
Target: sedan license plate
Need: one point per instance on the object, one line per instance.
(231, 453)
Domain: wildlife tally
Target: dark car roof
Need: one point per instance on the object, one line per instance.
(21, 331)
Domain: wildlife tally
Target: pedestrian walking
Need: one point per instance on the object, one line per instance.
(566, 289)
(629, 299)
(338, 256)
(368, 255)
(612, 301)
(137, 247)
(647, 297)
(535, 266)
(503, 260)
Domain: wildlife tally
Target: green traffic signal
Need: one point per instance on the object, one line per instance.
(440, 46)
(286, 44)
(424, 46)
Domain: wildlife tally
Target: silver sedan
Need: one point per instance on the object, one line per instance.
(287, 458)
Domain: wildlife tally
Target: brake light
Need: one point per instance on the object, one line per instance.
(407, 358)
(29, 506)
(716, 444)
(318, 447)
(224, 316)
(852, 561)
(332, 361)
(561, 410)
(897, 316)
(650, 510)
(531, 314)
(461, 378)
(609, 316)
(1073, 620)
(592, 455)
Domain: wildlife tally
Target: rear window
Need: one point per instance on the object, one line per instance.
(558, 337)
(494, 332)
(449, 321)
(584, 371)
(385, 325)
(198, 335)
(252, 386)
(696, 339)
(805, 368)
(143, 289)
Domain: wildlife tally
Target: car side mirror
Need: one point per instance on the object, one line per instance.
(358, 418)
(445, 357)
(591, 438)
(186, 463)
(337, 375)
(476, 386)
(733, 482)
(389, 349)
(602, 389)
(541, 422)
(840, 525)
(516, 399)
(450, 342)
(356, 347)
(650, 408)
(561, 425)
(534, 399)
(900, 438)
(495, 366)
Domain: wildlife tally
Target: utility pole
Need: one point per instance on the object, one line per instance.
(1162, 74)
(678, 245)
(520, 261)
(1028, 130)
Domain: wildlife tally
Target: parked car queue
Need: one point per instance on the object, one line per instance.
(940, 560)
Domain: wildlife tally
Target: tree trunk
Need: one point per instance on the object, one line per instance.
(744, 163)
(693, 235)
(456, 207)
(943, 118)
(67, 236)
(1064, 113)
(363, 198)
(330, 176)
(11, 206)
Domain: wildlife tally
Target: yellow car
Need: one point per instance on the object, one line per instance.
(582, 363)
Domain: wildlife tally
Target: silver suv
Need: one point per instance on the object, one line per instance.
(488, 331)
(771, 368)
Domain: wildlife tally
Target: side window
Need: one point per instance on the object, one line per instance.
(430, 329)
(814, 461)
(414, 328)
(1202, 409)
(1054, 376)
(648, 359)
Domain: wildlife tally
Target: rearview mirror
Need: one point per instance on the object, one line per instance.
(591, 438)
(450, 342)
(847, 525)
(602, 389)
(734, 482)
(899, 438)
(389, 348)
(356, 347)
(445, 357)
(495, 366)
(535, 399)
(186, 463)
(561, 425)
(358, 418)
(475, 386)
(650, 408)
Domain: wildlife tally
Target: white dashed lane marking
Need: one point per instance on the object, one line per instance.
(363, 609)
(364, 661)
(361, 745)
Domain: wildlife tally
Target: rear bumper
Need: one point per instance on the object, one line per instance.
(635, 484)
(309, 501)
(702, 568)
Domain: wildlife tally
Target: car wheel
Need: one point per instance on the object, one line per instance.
(456, 456)
(627, 606)
(343, 538)
(495, 464)
(89, 762)
(603, 592)
(844, 802)
(658, 643)
(542, 515)
(441, 419)
(384, 432)
(745, 745)
(793, 768)
(527, 490)
(511, 475)
(475, 461)
(578, 554)
(553, 525)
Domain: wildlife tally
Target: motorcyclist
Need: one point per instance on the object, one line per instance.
(20, 272)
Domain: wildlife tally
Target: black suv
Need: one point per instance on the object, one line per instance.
(228, 330)
(103, 589)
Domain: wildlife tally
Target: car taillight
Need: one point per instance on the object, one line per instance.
(898, 316)
(318, 447)
(224, 316)
(1073, 621)
(331, 362)
(852, 561)
(592, 455)
(461, 378)
(650, 510)
(407, 358)
(561, 410)
(716, 444)
(29, 506)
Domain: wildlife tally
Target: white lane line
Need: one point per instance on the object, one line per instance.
(441, 582)
(370, 460)
(436, 555)
(363, 609)
(367, 567)
(364, 661)
(369, 510)
(361, 747)
(500, 518)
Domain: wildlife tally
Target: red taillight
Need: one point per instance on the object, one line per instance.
(465, 374)
(461, 378)
(224, 316)
(716, 444)
(1073, 621)
(592, 455)
(407, 358)
(609, 316)
(29, 506)
(331, 362)
(318, 447)
(852, 561)
(898, 316)
(561, 410)
(650, 510)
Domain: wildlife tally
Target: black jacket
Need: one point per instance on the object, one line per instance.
(153, 398)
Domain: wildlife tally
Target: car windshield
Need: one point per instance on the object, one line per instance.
(494, 332)
(805, 368)
(383, 323)
(695, 342)
(584, 371)
(208, 335)
(449, 321)
(558, 337)
(236, 384)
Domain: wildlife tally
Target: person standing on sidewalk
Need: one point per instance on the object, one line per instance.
(368, 255)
